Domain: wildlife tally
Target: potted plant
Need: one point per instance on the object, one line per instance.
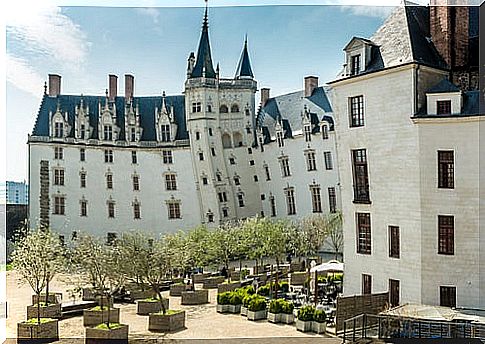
(319, 324)
(114, 332)
(223, 302)
(228, 286)
(37, 258)
(275, 310)
(287, 316)
(150, 305)
(235, 301)
(304, 319)
(257, 308)
(99, 315)
(176, 289)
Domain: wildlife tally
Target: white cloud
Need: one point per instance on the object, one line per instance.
(23, 76)
(369, 11)
(152, 13)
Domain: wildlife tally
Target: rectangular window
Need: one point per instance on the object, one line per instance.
(111, 209)
(290, 201)
(356, 105)
(251, 162)
(136, 183)
(82, 154)
(308, 133)
(201, 156)
(167, 157)
(134, 158)
(82, 177)
(447, 296)
(108, 133)
(316, 199)
(170, 182)
(165, 132)
(58, 176)
(237, 181)
(446, 235)
(311, 161)
(197, 135)
(332, 199)
(240, 199)
(355, 65)
(255, 178)
(213, 151)
(174, 210)
(266, 170)
(394, 242)
(272, 203)
(446, 167)
(394, 291)
(58, 153)
(363, 233)
(210, 131)
(59, 205)
(196, 107)
(285, 167)
(205, 181)
(366, 284)
(328, 160)
(84, 208)
(225, 212)
(109, 181)
(361, 177)
(325, 132)
(222, 197)
(136, 211)
(133, 134)
(232, 161)
(108, 155)
(279, 138)
(443, 107)
(82, 134)
(58, 129)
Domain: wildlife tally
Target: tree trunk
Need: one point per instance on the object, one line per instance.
(108, 297)
(271, 283)
(160, 299)
(240, 269)
(46, 290)
(38, 309)
(316, 288)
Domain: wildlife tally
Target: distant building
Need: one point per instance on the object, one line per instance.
(17, 192)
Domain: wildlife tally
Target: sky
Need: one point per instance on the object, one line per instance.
(86, 43)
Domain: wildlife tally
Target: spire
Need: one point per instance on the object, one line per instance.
(204, 59)
(244, 67)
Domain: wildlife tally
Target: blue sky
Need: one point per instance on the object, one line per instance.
(85, 44)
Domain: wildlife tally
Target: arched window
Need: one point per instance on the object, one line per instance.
(238, 139)
(234, 108)
(226, 141)
(223, 109)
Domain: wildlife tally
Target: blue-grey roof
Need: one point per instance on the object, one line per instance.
(444, 86)
(470, 107)
(289, 107)
(244, 66)
(146, 106)
(204, 59)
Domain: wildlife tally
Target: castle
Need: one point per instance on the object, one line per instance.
(392, 142)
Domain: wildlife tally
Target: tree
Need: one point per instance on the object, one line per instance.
(196, 244)
(132, 246)
(335, 232)
(224, 244)
(37, 258)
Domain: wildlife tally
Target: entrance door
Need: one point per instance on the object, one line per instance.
(394, 292)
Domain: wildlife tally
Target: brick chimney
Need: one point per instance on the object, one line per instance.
(129, 86)
(311, 82)
(54, 85)
(449, 31)
(264, 95)
(113, 87)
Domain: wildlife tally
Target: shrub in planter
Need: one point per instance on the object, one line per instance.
(319, 324)
(257, 308)
(228, 286)
(235, 302)
(275, 310)
(150, 305)
(284, 286)
(98, 315)
(52, 310)
(172, 320)
(115, 332)
(264, 290)
(47, 329)
(287, 316)
(304, 320)
(223, 302)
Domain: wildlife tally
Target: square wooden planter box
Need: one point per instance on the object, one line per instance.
(258, 315)
(178, 280)
(145, 307)
(166, 322)
(295, 267)
(304, 326)
(141, 294)
(195, 297)
(319, 327)
(212, 282)
(199, 278)
(223, 287)
(49, 311)
(88, 294)
(115, 335)
(274, 317)
(244, 311)
(48, 331)
(177, 289)
(93, 318)
(287, 318)
(53, 298)
(298, 278)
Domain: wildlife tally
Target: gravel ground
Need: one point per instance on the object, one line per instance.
(203, 323)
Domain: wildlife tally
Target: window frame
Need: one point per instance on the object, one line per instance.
(356, 111)
(446, 169)
(360, 173)
(394, 235)
(446, 235)
(364, 233)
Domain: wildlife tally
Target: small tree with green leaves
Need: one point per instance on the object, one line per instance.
(335, 233)
(224, 244)
(38, 257)
(196, 244)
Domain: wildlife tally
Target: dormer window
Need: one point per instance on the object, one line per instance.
(133, 134)
(108, 133)
(355, 65)
(443, 107)
(59, 129)
(165, 132)
(82, 132)
(279, 138)
(308, 133)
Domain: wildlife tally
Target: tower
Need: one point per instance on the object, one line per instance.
(220, 121)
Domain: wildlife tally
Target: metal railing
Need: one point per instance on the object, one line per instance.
(366, 326)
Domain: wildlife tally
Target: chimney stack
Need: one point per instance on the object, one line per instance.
(311, 82)
(129, 86)
(54, 85)
(449, 31)
(264, 95)
(113, 87)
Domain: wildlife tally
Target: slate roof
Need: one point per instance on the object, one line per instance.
(204, 59)
(244, 66)
(146, 106)
(444, 86)
(289, 107)
(470, 107)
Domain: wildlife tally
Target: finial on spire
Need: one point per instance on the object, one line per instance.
(205, 23)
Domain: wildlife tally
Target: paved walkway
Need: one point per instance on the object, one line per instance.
(203, 324)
